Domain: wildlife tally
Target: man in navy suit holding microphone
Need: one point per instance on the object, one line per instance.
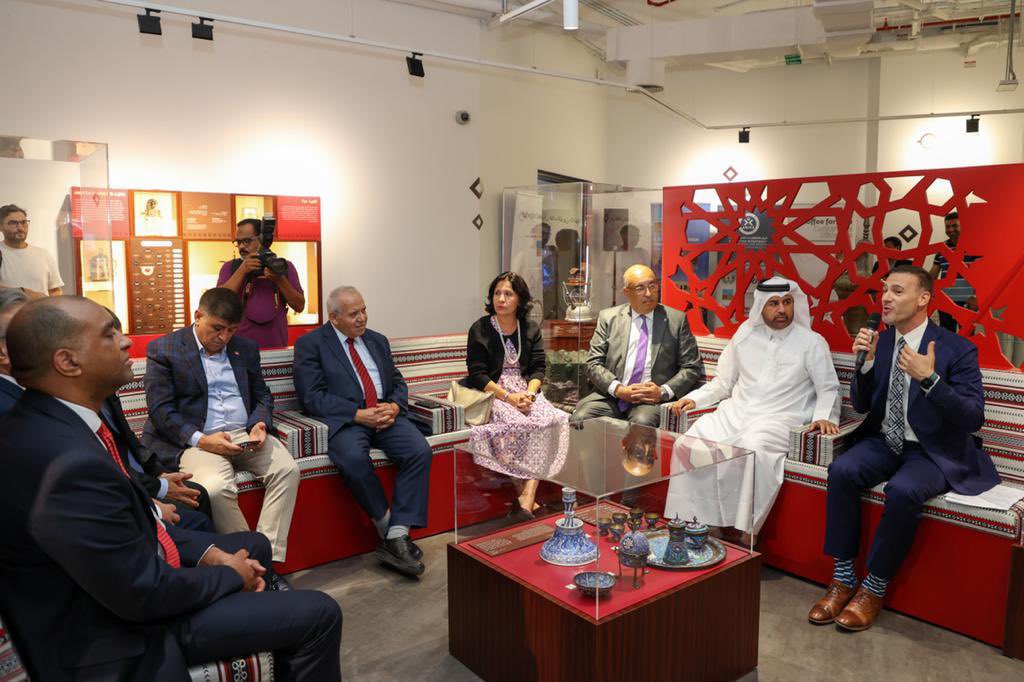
(345, 377)
(921, 389)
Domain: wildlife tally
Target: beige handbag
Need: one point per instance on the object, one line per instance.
(477, 403)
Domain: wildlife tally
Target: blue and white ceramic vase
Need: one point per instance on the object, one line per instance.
(569, 546)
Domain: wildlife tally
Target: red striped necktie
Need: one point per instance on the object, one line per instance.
(170, 550)
(369, 391)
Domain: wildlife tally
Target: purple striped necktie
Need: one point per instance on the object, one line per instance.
(641, 362)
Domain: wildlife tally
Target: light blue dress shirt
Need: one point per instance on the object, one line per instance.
(225, 409)
(367, 358)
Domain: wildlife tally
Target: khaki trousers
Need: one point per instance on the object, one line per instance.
(273, 465)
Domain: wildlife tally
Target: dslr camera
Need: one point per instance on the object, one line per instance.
(268, 259)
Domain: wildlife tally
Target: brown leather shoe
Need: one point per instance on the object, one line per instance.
(829, 606)
(861, 612)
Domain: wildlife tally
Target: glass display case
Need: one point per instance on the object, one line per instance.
(572, 243)
(626, 512)
(74, 226)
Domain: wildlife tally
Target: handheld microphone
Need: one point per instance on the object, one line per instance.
(873, 322)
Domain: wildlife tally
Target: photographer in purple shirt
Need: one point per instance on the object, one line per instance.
(266, 296)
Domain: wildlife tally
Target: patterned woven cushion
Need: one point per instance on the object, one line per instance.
(1008, 524)
(254, 668)
(302, 435)
(10, 665)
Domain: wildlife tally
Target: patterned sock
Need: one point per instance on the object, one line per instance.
(844, 573)
(876, 585)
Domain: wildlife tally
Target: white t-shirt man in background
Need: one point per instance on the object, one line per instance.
(22, 266)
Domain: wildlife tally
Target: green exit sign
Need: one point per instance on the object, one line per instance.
(792, 59)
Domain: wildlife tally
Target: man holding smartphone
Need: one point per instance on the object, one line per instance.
(210, 413)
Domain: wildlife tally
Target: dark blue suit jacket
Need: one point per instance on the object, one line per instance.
(328, 387)
(81, 582)
(9, 394)
(944, 420)
(176, 391)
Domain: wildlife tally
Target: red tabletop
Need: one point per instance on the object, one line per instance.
(555, 581)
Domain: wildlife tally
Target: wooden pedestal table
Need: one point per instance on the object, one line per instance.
(511, 617)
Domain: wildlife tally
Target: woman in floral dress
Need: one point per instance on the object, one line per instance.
(527, 437)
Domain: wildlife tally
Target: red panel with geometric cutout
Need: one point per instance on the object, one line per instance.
(827, 234)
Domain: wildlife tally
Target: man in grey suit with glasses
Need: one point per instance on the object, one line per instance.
(641, 355)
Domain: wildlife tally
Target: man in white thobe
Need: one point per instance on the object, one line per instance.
(774, 374)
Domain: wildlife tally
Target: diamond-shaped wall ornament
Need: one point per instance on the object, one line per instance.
(477, 188)
(478, 222)
(908, 233)
(730, 173)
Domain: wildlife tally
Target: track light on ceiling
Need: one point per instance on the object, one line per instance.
(973, 123)
(149, 22)
(203, 30)
(571, 15)
(744, 135)
(415, 65)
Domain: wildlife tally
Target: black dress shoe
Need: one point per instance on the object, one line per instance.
(278, 583)
(395, 553)
(414, 550)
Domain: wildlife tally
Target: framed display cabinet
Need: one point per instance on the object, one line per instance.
(572, 243)
(595, 584)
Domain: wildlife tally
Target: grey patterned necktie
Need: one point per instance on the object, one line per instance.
(893, 426)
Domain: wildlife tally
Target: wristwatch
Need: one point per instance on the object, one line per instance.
(930, 381)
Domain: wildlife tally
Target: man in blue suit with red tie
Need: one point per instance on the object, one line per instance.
(345, 377)
(921, 389)
(93, 584)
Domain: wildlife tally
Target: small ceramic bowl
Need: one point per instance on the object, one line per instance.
(636, 514)
(603, 523)
(620, 518)
(652, 519)
(616, 529)
(591, 583)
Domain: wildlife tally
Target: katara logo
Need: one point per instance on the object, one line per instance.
(749, 224)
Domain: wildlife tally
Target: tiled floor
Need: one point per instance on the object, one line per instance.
(396, 629)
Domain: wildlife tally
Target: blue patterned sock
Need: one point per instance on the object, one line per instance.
(844, 574)
(876, 585)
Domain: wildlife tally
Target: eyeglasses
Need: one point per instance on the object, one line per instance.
(16, 223)
(244, 241)
(643, 288)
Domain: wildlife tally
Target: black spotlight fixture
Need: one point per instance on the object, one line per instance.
(203, 30)
(745, 136)
(415, 65)
(150, 22)
(972, 123)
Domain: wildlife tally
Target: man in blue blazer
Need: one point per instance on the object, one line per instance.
(93, 585)
(921, 389)
(345, 377)
(205, 392)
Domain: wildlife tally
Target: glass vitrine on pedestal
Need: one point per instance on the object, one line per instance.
(636, 530)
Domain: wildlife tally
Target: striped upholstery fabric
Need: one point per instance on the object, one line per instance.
(428, 363)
